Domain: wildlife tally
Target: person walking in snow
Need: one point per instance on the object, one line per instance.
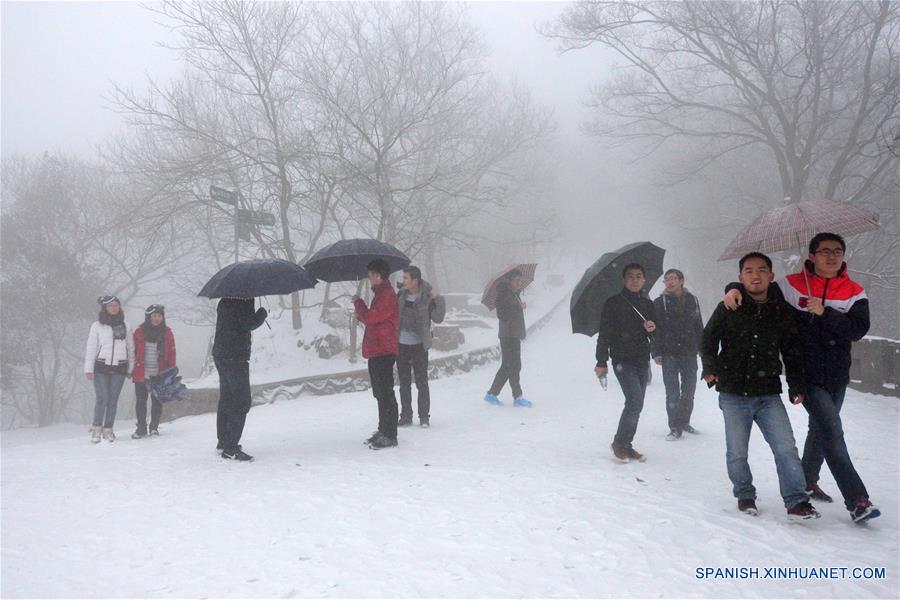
(741, 352)
(108, 360)
(420, 306)
(511, 314)
(154, 352)
(678, 334)
(833, 313)
(380, 347)
(235, 319)
(627, 323)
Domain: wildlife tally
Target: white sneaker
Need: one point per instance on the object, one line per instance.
(95, 435)
(108, 434)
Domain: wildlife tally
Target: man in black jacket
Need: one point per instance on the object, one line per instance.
(680, 328)
(741, 357)
(231, 354)
(626, 327)
(511, 313)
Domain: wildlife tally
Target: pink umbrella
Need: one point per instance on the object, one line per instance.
(489, 298)
(792, 226)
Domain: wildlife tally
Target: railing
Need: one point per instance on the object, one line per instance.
(206, 399)
(875, 366)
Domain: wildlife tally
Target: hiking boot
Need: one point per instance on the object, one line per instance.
(236, 454)
(635, 455)
(154, 431)
(748, 506)
(382, 441)
(802, 511)
(371, 438)
(673, 436)
(404, 422)
(424, 423)
(815, 492)
(691, 430)
(620, 453)
(864, 510)
(492, 399)
(140, 432)
(521, 401)
(95, 434)
(108, 434)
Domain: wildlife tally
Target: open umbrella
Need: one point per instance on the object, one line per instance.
(346, 260)
(260, 277)
(603, 280)
(489, 297)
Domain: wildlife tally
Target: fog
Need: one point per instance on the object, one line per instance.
(74, 76)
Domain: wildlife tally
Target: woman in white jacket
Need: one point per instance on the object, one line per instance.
(108, 360)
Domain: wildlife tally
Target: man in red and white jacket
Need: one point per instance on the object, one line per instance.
(834, 313)
(381, 346)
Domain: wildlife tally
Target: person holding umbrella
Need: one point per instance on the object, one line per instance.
(380, 347)
(154, 352)
(511, 314)
(108, 360)
(833, 313)
(627, 323)
(419, 306)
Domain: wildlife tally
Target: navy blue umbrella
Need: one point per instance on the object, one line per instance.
(346, 260)
(260, 277)
(603, 279)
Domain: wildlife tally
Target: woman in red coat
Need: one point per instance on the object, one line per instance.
(154, 352)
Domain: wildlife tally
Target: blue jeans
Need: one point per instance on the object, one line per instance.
(633, 381)
(769, 414)
(825, 441)
(107, 387)
(680, 394)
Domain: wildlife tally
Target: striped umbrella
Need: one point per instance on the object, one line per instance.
(489, 298)
(792, 226)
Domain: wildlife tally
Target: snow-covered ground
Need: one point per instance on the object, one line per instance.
(497, 502)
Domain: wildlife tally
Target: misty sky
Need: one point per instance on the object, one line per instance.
(59, 60)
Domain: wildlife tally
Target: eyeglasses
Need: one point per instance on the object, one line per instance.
(828, 252)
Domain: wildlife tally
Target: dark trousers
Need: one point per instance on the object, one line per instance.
(510, 367)
(825, 441)
(234, 401)
(381, 374)
(680, 379)
(140, 407)
(413, 360)
(633, 381)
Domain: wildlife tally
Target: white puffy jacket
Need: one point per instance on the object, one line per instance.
(101, 346)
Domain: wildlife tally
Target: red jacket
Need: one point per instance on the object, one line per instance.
(382, 322)
(166, 360)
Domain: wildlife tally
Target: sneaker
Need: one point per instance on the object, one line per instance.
(404, 422)
(691, 430)
(802, 511)
(815, 492)
(621, 454)
(371, 438)
(237, 454)
(154, 431)
(635, 455)
(139, 433)
(521, 401)
(673, 436)
(492, 399)
(424, 423)
(108, 434)
(864, 511)
(95, 434)
(382, 441)
(748, 506)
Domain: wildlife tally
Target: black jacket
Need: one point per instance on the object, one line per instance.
(235, 320)
(510, 312)
(622, 336)
(742, 348)
(680, 326)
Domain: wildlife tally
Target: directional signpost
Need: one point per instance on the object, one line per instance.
(243, 218)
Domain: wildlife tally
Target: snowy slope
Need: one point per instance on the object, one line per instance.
(497, 502)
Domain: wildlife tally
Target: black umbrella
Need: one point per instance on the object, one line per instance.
(604, 279)
(346, 260)
(260, 277)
